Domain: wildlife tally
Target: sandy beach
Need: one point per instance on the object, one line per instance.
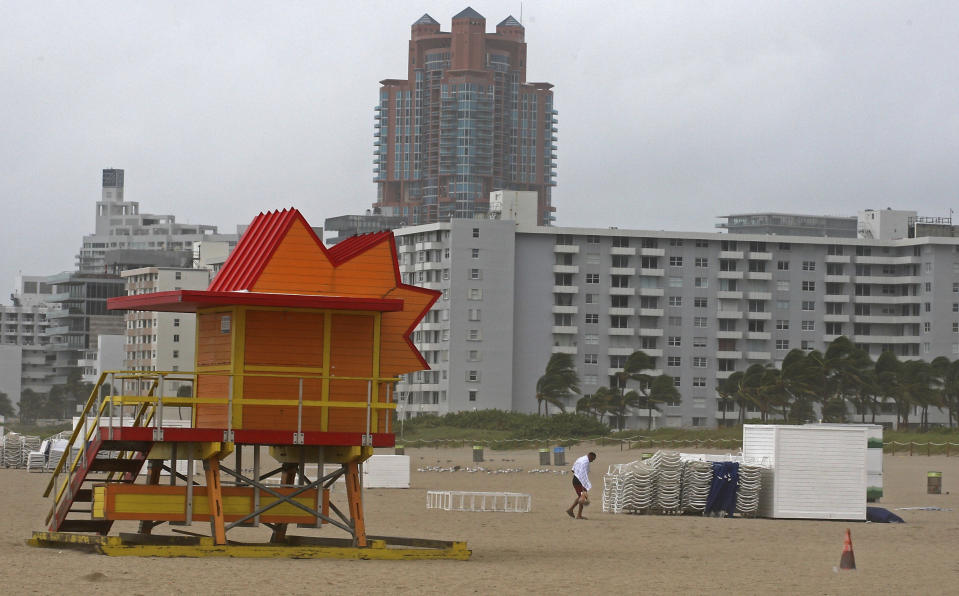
(541, 552)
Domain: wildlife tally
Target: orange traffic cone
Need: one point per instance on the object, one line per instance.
(848, 559)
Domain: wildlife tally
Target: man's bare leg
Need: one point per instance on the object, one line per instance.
(569, 511)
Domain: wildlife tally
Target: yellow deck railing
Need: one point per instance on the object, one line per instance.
(108, 411)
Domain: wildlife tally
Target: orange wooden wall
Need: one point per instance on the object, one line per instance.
(213, 348)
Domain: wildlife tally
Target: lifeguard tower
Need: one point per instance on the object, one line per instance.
(297, 350)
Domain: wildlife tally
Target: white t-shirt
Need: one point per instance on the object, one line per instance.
(581, 471)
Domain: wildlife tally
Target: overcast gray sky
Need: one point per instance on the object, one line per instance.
(670, 113)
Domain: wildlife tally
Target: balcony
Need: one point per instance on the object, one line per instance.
(622, 291)
(759, 295)
(430, 246)
(884, 339)
(761, 275)
(622, 271)
(836, 298)
(622, 250)
(888, 279)
(566, 248)
(724, 374)
(729, 334)
(652, 252)
(621, 331)
(652, 352)
(620, 351)
(566, 289)
(564, 349)
(727, 295)
(651, 292)
(562, 310)
(836, 318)
(887, 319)
(838, 258)
(841, 279)
(565, 329)
(729, 314)
(650, 332)
(888, 260)
(761, 256)
(651, 272)
(565, 268)
(885, 299)
(651, 312)
(731, 254)
(759, 316)
(758, 356)
(758, 335)
(729, 274)
(622, 311)
(729, 355)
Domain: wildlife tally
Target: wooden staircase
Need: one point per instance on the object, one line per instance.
(103, 462)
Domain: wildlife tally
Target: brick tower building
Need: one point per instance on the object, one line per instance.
(463, 123)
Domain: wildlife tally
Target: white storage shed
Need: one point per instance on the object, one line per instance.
(387, 471)
(815, 472)
(873, 457)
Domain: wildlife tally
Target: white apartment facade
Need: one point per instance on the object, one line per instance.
(161, 341)
(702, 304)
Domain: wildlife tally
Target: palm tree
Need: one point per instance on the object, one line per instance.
(557, 383)
(800, 381)
(662, 390)
(633, 368)
(887, 371)
(726, 390)
(844, 367)
(602, 401)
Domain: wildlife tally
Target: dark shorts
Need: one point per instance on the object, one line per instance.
(577, 486)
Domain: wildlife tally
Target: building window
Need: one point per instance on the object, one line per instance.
(473, 376)
(176, 338)
(675, 261)
(473, 356)
(926, 327)
(700, 322)
(808, 286)
(590, 298)
(176, 322)
(592, 278)
(702, 262)
(699, 342)
(592, 240)
(782, 286)
(809, 265)
(808, 305)
(808, 325)
(782, 344)
(176, 353)
(782, 265)
(955, 327)
(702, 243)
(699, 381)
(475, 232)
(590, 359)
(472, 394)
(475, 252)
(675, 282)
(474, 314)
(592, 319)
(701, 282)
(700, 302)
(782, 324)
(675, 300)
(700, 362)
(807, 345)
(675, 241)
(673, 361)
(591, 339)
(475, 274)
(474, 335)
(476, 294)
(674, 341)
(675, 321)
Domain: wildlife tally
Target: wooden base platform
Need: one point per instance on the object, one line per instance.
(295, 547)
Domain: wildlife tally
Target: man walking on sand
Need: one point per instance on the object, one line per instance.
(581, 484)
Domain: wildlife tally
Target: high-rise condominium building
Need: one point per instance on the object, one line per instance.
(463, 123)
(702, 305)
